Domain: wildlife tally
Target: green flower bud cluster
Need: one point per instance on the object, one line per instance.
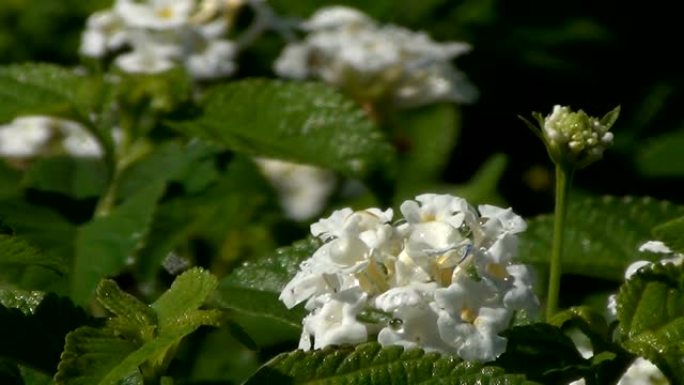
(574, 139)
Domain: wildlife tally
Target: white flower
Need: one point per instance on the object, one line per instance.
(333, 321)
(421, 274)
(303, 190)
(216, 60)
(105, 31)
(413, 318)
(25, 136)
(31, 136)
(153, 36)
(335, 17)
(470, 319)
(346, 48)
(155, 14)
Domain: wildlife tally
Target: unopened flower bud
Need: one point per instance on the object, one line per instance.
(575, 139)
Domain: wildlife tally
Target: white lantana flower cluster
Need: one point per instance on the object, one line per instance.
(163, 34)
(443, 278)
(29, 136)
(346, 48)
(302, 190)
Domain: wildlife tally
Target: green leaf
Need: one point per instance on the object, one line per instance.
(297, 121)
(611, 117)
(662, 156)
(15, 251)
(260, 314)
(75, 177)
(251, 293)
(41, 227)
(106, 356)
(42, 89)
(672, 234)
(103, 245)
(602, 235)
(371, 364)
(187, 293)
(425, 137)
(36, 338)
(271, 274)
(555, 357)
(236, 208)
(650, 311)
(90, 353)
(133, 317)
(170, 161)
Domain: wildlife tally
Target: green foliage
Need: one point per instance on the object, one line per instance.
(422, 158)
(371, 364)
(650, 309)
(35, 89)
(672, 234)
(75, 177)
(34, 335)
(103, 245)
(602, 234)
(271, 274)
(251, 293)
(14, 251)
(302, 122)
(662, 157)
(555, 355)
(138, 342)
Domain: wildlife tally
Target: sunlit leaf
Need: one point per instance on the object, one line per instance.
(650, 309)
(301, 122)
(602, 234)
(371, 364)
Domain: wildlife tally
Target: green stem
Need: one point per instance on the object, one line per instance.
(563, 181)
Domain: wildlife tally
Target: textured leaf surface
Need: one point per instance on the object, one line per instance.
(40, 89)
(14, 251)
(302, 122)
(251, 293)
(371, 364)
(261, 315)
(672, 234)
(137, 340)
(651, 314)
(103, 245)
(602, 234)
(271, 274)
(187, 293)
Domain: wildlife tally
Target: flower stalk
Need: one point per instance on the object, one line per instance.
(573, 140)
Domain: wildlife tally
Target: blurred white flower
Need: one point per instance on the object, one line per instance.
(31, 136)
(303, 190)
(346, 48)
(153, 36)
(25, 136)
(422, 273)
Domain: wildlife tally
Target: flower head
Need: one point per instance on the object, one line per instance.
(153, 36)
(373, 62)
(443, 278)
(573, 138)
